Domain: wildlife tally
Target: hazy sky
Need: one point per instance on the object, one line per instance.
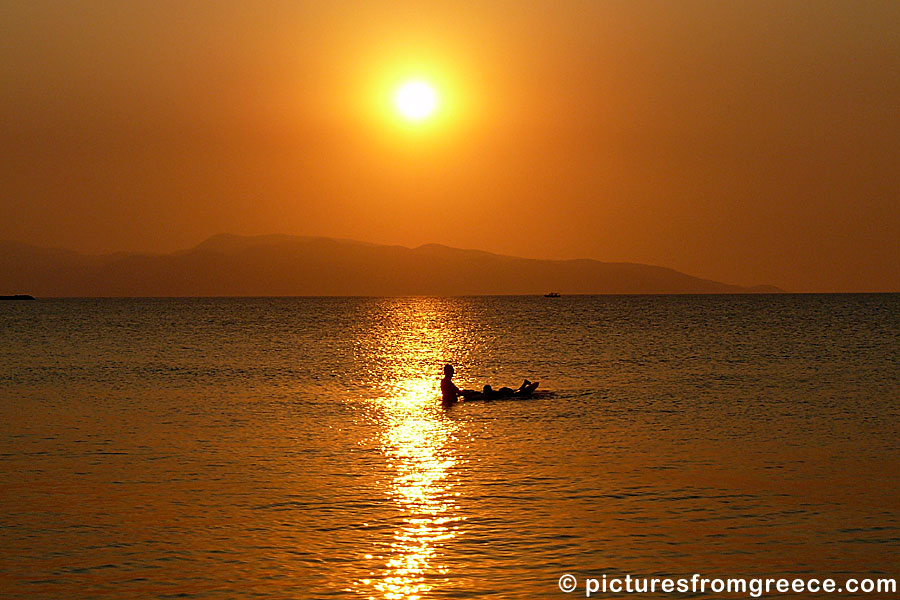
(749, 142)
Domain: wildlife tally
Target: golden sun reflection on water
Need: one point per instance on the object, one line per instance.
(411, 340)
(416, 442)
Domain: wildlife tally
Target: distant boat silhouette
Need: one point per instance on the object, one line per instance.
(17, 297)
(552, 295)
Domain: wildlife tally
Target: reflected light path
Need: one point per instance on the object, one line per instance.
(418, 441)
(416, 446)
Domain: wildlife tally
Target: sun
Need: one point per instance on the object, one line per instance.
(416, 100)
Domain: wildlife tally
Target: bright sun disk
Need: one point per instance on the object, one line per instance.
(416, 100)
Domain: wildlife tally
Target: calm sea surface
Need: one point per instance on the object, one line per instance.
(296, 448)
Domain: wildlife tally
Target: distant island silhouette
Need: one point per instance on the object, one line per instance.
(282, 265)
(17, 297)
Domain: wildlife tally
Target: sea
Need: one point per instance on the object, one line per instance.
(297, 447)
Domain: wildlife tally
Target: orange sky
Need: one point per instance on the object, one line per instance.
(748, 142)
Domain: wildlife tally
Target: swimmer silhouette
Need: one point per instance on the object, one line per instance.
(449, 391)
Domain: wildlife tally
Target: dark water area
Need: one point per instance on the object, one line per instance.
(297, 448)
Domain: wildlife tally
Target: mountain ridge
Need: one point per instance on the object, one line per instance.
(285, 265)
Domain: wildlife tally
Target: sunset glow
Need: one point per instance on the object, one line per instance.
(416, 300)
(416, 100)
(715, 139)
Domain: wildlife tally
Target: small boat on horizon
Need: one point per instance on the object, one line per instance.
(552, 295)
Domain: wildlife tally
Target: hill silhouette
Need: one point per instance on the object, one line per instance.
(282, 265)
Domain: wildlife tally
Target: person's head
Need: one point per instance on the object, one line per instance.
(448, 371)
(487, 389)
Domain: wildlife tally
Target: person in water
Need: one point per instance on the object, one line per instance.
(449, 391)
(526, 389)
